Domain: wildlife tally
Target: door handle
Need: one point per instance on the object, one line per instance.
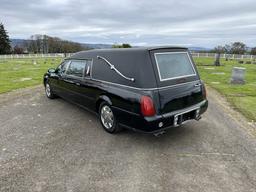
(78, 84)
(197, 85)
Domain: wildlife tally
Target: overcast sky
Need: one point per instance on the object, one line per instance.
(138, 22)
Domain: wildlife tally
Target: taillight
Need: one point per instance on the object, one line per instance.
(147, 106)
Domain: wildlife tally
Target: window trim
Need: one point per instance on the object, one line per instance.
(172, 78)
(88, 76)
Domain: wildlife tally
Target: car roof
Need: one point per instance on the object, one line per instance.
(127, 50)
(133, 62)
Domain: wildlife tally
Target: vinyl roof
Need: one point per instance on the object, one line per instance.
(133, 49)
(94, 52)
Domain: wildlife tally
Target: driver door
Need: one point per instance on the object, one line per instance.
(58, 79)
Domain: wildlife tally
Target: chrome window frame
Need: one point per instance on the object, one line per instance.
(172, 78)
(90, 75)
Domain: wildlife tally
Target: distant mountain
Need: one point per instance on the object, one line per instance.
(199, 49)
(18, 42)
(22, 42)
(96, 46)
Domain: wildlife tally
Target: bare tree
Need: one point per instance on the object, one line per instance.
(253, 51)
(47, 44)
(219, 49)
(238, 48)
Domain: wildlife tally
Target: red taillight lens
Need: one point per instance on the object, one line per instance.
(147, 106)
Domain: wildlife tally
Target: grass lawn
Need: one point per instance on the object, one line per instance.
(242, 97)
(20, 73)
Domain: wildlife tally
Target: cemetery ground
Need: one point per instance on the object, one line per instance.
(20, 73)
(52, 145)
(242, 97)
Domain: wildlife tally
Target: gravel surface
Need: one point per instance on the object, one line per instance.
(52, 145)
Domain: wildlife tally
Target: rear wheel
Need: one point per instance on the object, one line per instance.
(48, 91)
(107, 118)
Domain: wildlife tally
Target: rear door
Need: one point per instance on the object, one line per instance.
(179, 85)
(85, 89)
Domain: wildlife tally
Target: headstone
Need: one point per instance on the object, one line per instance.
(238, 75)
(34, 62)
(217, 59)
(218, 73)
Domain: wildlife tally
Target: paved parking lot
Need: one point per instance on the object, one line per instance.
(52, 145)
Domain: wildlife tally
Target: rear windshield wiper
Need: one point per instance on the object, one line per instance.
(112, 67)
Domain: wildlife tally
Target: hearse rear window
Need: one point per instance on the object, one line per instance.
(173, 65)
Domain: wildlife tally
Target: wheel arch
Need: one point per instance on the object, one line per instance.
(103, 98)
(45, 79)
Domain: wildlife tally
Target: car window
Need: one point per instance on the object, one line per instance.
(62, 67)
(76, 68)
(174, 65)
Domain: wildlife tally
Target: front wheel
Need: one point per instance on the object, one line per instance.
(48, 91)
(107, 118)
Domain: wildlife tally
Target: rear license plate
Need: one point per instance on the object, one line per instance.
(181, 118)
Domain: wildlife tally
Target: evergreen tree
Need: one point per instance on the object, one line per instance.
(124, 45)
(5, 46)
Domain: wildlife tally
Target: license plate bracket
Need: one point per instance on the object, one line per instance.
(185, 116)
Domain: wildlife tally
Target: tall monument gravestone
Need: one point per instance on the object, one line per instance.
(238, 75)
(217, 59)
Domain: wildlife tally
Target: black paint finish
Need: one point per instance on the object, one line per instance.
(103, 84)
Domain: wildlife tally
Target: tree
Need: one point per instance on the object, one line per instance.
(124, 45)
(47, 44)
(238, 48)
(219, 49)
(5, 46)
(18, 50)
(227, 48)
(253, 51)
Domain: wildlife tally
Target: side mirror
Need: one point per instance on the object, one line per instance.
(51, 70)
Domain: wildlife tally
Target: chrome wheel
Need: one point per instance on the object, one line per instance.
(107, 117)
(48, 90)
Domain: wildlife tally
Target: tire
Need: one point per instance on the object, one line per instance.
(108, 119)
(48, 91)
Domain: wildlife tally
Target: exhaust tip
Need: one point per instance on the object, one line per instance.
(198, 118)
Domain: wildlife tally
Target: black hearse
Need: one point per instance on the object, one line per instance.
(143, 89)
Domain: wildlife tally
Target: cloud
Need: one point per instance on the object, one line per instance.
(145, 22)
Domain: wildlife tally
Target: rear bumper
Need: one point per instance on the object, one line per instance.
(152, 124)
